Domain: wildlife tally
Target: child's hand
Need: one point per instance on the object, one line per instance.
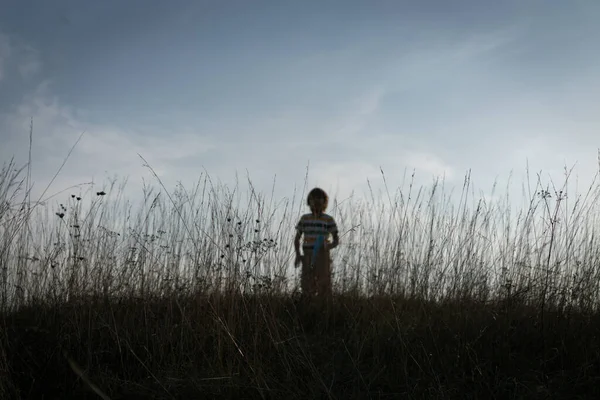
(298, 260)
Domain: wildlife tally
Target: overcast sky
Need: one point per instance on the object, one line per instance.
(269, 87)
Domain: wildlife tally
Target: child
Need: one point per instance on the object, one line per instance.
(316, 277)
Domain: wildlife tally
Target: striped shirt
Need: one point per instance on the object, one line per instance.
(311, 226)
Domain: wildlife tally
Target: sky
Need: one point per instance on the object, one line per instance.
(347, 89)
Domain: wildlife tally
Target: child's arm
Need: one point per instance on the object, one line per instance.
(297, 242)
(299, 231)
(298, 259)
(333, 229)
(335, 242)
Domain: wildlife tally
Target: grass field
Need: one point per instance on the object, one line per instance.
(192, 295)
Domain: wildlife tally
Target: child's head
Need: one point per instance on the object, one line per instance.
(317, 200)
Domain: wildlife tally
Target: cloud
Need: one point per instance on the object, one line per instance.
(442, 108)
(344, 149)
(429, 163)
(355, 120)
(104, 150)
(14, 53)
(29, 64)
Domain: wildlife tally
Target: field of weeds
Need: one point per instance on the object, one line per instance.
(192, 295)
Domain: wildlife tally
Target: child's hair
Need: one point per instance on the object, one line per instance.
(318, 192)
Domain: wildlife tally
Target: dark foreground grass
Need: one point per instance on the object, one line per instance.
(227, 347)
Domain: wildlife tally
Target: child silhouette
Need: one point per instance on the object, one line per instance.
(316, 227)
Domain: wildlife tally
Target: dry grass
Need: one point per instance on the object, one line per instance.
(191, 295)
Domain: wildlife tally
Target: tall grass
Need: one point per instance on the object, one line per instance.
(202, 279)
(418, 243)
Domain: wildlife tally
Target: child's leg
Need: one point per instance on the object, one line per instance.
(307, 280)
(323, 273)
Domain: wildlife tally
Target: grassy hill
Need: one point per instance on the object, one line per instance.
(192, 295)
